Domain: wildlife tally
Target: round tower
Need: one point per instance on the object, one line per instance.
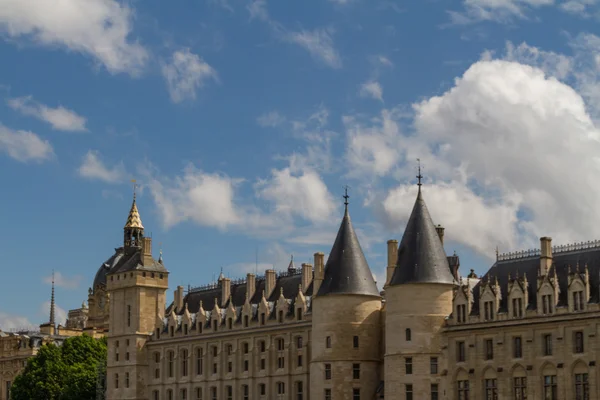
(346, 323)
(418, 300)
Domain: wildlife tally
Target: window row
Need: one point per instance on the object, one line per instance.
(355, 371)
(433, 365)
(245, 392)
(411, 394)
(581, 390)
(517, 346)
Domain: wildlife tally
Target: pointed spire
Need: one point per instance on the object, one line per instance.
(347, 270)
(419, 176)
(292, 266)
(421, 255)
(52, 305)
(133, 219)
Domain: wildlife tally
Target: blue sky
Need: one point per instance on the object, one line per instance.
(243, 120)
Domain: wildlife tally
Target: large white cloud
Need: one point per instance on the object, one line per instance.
(100, 28)
(92, 167)
(24, 146)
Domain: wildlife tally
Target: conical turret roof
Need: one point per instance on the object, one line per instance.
(347, 271)
(133, 219)
(421, 255)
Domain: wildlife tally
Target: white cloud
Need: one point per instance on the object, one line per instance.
(60, 118)
(204, 198)
(578, 7)
(63, 281)
(372, 148)
(319, 44)
(100, 28)
(301, 194)
(60, 314)
(185, 74)
(271, 119)
(495, 10)
(24, 146)
(372, 89)
(551, 63)
(258, 10)
(9, 322)
(93, 167)
(383, 60)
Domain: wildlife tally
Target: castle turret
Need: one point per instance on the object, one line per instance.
(418, 299)
(346, 323)
(136, 286)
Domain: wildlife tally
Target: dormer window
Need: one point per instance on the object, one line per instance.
(517, 307)
(578, 303)
(461, 313)
(489, 310)
(547, 304)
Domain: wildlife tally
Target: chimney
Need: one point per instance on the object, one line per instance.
(270, 281)
(392, 253)
(319, 272)
(307, 276)
(250, 285)
(178, 299)
(545, 254)
(147, 251)
(225, 291)
(440, 231)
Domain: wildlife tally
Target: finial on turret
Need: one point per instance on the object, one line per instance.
(346, 196)
(419, 176)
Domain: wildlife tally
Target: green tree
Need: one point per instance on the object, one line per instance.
(68, 372)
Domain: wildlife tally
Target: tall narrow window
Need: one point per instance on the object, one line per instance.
(171, 360)
(156, 365)
(183, 394)
(460, 352)
(280, 390)
(463, 390)
(491, 389)
(355, 342)
(328, 342)
(213, 393)
(355, 371)
(230, 323)
(299, 390)
(199, 361)
(489, 310)
(126, 379)
(184, 362)
(169, 394)
(246, 321)
(327, 372)
(408, 334)
(409, 392)
(408, 365)
(578, 342)
(229, 390)
(520, 388)
(298, 342)
(517, 347)
(356, 394)
(262, 318)
(128, 315)
(433, 365)
(299, 314)
(548, 344)
(215, 325)
(578, 300)
(116, 381)
(245, 392)
(327, 394)
(435, 391)
(280, 316)
(198, 393)
(550, 388)
(489, 349)
(582, 390)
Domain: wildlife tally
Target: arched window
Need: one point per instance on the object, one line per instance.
(408, 334)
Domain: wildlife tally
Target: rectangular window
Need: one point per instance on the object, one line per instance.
(128, 315)
(199, 361)
(355, 371)
(355, 394)
(433, 365)
(327, 394)
(127, 356)
(578, 301)
(489, 310)
(281, 362)
(463, 390)
(460, 352)
(491, 389)
(327, 371)
(262, 318)
(246, 365)
(489, 349)
(213, 393)
(548, 344)
(126, 379)
(550, 388)
(155, 395)
(520, 388)
(435, 391)
(185, 329)
(229, 390)
(184, 363)
(214, 368)
(215, 351)
(582, 390)
(229, 367)
(299, 314)
(299, 390)
(262, 363)
(280, 389)
(262, 346)
(517, 347)
(328, 342)
(408, 365)
(169, 394)
(116, 381)
(280, 345)
(171, 357)
(547, 304)
(245, 392)
(299, 362)
(215, 325)
(409, 392)
(355, 342)
(246, 319)
(198, 393)
(280, 316)
(298, 342)
(183, 394)
(578, 342)
(262, 388)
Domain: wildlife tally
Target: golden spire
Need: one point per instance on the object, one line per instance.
(133, 219)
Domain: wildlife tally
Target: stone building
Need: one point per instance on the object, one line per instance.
(529, 328)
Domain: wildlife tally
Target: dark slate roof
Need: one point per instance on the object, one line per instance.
(290, 283)
(530, 267)
(347, 271)
(123, 261)
(421, 255)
